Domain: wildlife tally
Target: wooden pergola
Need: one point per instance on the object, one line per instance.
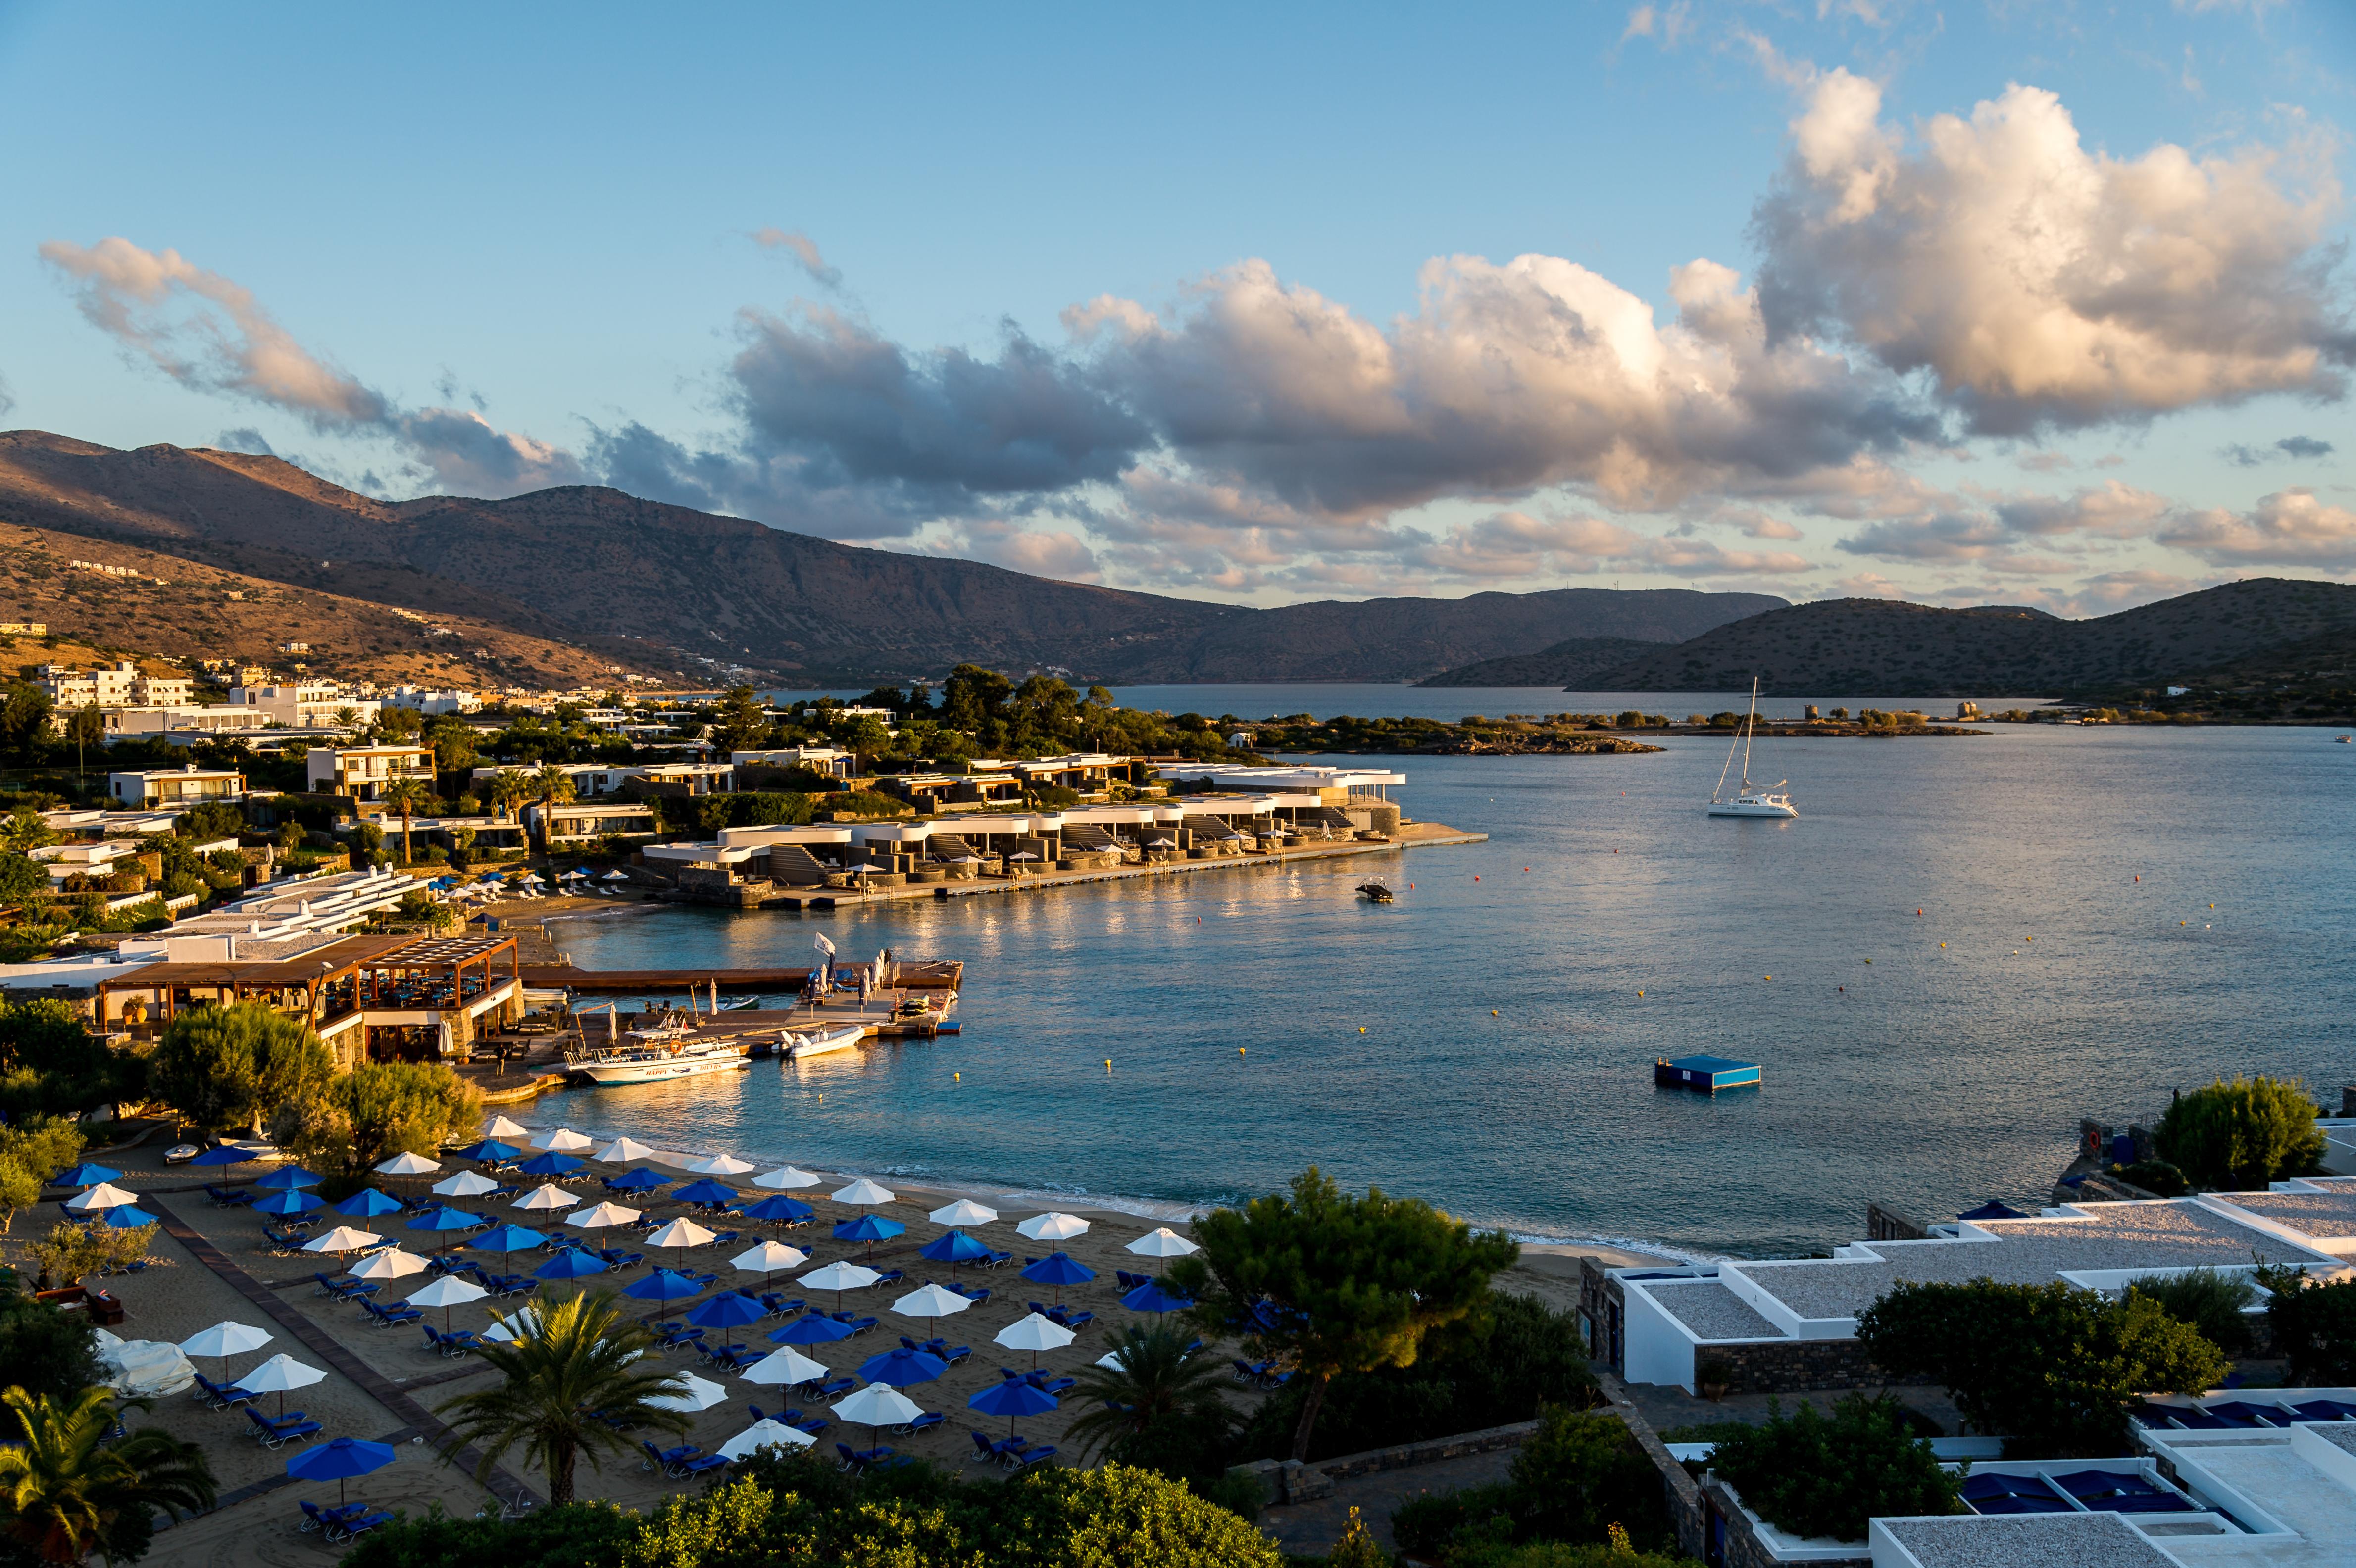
(235, 980)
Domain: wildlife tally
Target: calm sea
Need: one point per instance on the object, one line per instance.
(1486, 1041)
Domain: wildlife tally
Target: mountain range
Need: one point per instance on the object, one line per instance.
(658, 588)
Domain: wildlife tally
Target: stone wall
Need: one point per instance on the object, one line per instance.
(1796, 1366)
(1883, 1224)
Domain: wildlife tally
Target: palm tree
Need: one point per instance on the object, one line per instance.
(551, 784)
(404, 795)
(508, 788)
(583, 1357)
(68, 1496)
(1155, 1381)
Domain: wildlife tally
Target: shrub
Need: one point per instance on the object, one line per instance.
(1816, 1476)
(572, 1536)
(2209, 1300)
(228, 1067)
(47, 1349)
(2241, 1136)
(2313, 1326)
(2050, 1367)
(2154, 1176)
(1428, 1525)
(1582, 1472)
(51, 1064)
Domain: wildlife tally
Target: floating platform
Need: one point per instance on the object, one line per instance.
(908, 975)
(1706, 1073)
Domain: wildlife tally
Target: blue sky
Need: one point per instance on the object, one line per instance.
(1168, 302)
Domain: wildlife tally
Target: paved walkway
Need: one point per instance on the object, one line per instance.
(1311, 1528)
(421, 1421)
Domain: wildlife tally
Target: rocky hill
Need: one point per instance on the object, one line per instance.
(1570, 665)
(1875, 646)
(642, 583)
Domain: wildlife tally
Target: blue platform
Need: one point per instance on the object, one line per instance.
(1709, 1074)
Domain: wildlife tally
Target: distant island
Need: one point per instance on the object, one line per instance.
(1581, 734)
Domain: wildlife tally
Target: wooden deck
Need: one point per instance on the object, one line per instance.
(915, 974)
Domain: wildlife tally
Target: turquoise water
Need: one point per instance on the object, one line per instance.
(1504, 1070)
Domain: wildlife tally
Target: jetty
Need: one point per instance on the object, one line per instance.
(910, 975)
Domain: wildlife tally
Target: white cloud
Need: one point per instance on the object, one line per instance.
(805, 252)
(2041, 284)
(210, 334)
(2290, 528)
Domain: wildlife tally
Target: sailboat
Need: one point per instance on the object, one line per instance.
(1752, 800)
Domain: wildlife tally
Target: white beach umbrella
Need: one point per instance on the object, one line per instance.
(964, 1212)
(689, 1393)
(841, 1276)
(501, 1128)
(279, 1374)
(763, 1434)
(408, 1165)
(102, 1197)
(389, 1264)
(931, 1301)
(563, 1140)
(465, 1184)
(224, 1340)
(768, 1258)
(622, 1151)
(783, 1367)
(1163, 1242)
(603, 1215)
(521, 1324)
(719, 1165)
(1022, 855)
(785, 1179)
(681, 1233)
(1052, 1227)
(342, 1239)
(1035, 1334)
(862, 1191)
(1111, 1362)
(550, 1196)
(445, 1293)
(877, 1404)
(616, 876)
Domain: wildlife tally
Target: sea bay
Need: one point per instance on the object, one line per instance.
(1481, 1042)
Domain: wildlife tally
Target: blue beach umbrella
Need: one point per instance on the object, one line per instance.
(224, 1154)
(368, 1203)
(811, 1329)
(778, 1207)
(902, 1367)
(639, 1179)
(289, 1202)
(952, 1247)
(288, 1177)
(570, 1264)
(1150, 1297)
(704, 1192)
(1059, 1268)
(664, 1284)
(338, 1459)
(509, 1239)
(489, 1151)
(868, 1228)
(445, 1218)
(551, 1164)
(127, 1216)
(1011, 1397)
(83, 1175)
(1993, 1210)
(730, 1309)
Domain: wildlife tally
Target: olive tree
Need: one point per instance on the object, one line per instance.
(230, 1067)
(2241, 1136)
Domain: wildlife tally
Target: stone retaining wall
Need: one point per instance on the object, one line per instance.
(1796, 1366)
(1292, 1481)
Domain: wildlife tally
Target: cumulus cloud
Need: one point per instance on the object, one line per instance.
(805, 252)
(2291, 446)
(2290, 528)
(2110, 511)
(212, 335)
(2038, 283)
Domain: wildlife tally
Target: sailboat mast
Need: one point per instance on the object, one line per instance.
(1750, 722)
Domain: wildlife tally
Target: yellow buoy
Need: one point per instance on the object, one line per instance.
(958, 1077)
(1492, 1012)
(1107, 1064)
(1640, 993)
(1769, 976)
(1361, 1028)
(1942, 944)
(1239, 1050)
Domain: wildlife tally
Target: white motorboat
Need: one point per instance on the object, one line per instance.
(658, 1056)
(798, 1043)
(1750, 800)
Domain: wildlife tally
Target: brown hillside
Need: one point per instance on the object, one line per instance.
(593, 565)
(1851, 646)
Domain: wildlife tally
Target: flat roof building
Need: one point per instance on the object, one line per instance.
(176, 786)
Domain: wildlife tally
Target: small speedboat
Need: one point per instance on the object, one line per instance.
(1375, 892)
(180, 1154)
(824, 1041)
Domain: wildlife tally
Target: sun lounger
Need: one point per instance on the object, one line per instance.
(722, 1238)
(232, 1397)
(322, 1283)
(680, 1335)
(949, 1354)
(813, 1424)
(779, 1307)
(296, 1427)
(360, 1522)
(623, 1260)
(891, 1276)
(1057, 1386)
(735, 1358)
(1075, 1321)
(836, 1389)
(978, 1295)
(228, 1198)
(1017, 1463)
(391, 1317)
(924, 1422)
(995, 1260)
(458, 1343)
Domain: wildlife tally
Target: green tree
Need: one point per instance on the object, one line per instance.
(2050, 1366)
(508, 788)
(47, 1349)
(2241, 1136)
(974, 699)
(69, 1493)
(2210, 1300)
(31, 1151)
(740, 722)
(1155, 1392)
(1814, 1475)
(212, 819)
(586, 1356)
(407, 797)
(377, 1110)
(578, 1535)
(230, 1067)
(25, 832)
(1582, 1473)
(51, 1064)
(24, 722)
(72, 1250)
(21, 877)
(2314, 1324)
(1338, 1283)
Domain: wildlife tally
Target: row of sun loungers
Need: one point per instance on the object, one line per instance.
(1014, 1453)
(340, 1524)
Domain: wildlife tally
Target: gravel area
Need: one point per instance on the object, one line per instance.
(2026, 1252)
(2037, 1541)
(2338, 1434)
(2317, 1214)
(1711, 1310)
